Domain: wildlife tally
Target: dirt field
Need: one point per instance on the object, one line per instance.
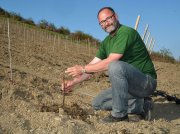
(32, 102)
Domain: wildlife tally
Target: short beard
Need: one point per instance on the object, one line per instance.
(112, 28)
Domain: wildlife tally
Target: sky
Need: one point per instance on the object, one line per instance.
(162, 16)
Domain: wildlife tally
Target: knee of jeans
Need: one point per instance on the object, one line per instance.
(151, 85)
(116, 67)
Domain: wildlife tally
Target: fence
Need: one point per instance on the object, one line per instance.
(149, 41)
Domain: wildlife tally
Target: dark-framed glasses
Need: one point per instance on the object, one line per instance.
(103, 22)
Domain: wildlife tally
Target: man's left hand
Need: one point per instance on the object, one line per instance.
(75, 71)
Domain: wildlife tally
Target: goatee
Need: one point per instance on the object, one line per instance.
(112, 28)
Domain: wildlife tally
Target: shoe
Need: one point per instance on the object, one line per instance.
(148, 107)
(111, 119)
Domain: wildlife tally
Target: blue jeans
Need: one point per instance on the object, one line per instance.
(129, 87)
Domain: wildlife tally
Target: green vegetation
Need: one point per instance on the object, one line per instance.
(63, 31)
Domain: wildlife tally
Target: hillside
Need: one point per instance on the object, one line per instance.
(31, 102)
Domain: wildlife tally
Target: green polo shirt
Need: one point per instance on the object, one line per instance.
(128, 42)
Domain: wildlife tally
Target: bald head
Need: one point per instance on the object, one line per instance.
(105, 9)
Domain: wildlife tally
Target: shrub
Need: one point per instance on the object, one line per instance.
(4, 13)
(29, 21)
(63, 30)
(16, 16)
(164, 56)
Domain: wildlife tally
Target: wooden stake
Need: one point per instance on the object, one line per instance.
(145, 31)
(63, 91)
(9, 48)
(150, 44)
(146, 43)
(137, 22)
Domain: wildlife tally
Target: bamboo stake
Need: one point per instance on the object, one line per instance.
(9, 49)
(150, 44)
(89, 47)
(65, 43)
(147, 39)
(24, 39)
(137, 22)
(63, 91)
(145, 31)
(54, 42)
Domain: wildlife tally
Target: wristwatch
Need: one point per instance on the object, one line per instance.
(83, 70)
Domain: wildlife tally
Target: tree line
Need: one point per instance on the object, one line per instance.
(44, 24)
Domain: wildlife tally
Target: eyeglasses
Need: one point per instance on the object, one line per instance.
(103, 22)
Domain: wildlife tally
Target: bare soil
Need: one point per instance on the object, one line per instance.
(32, 101)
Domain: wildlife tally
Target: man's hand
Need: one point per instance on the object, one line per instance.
(67, 86)
(75, 71)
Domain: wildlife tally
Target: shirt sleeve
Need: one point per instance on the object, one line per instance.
(101, 54)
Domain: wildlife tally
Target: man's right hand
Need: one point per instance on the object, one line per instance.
(67, 86)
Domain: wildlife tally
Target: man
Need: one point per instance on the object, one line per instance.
(130, 69)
